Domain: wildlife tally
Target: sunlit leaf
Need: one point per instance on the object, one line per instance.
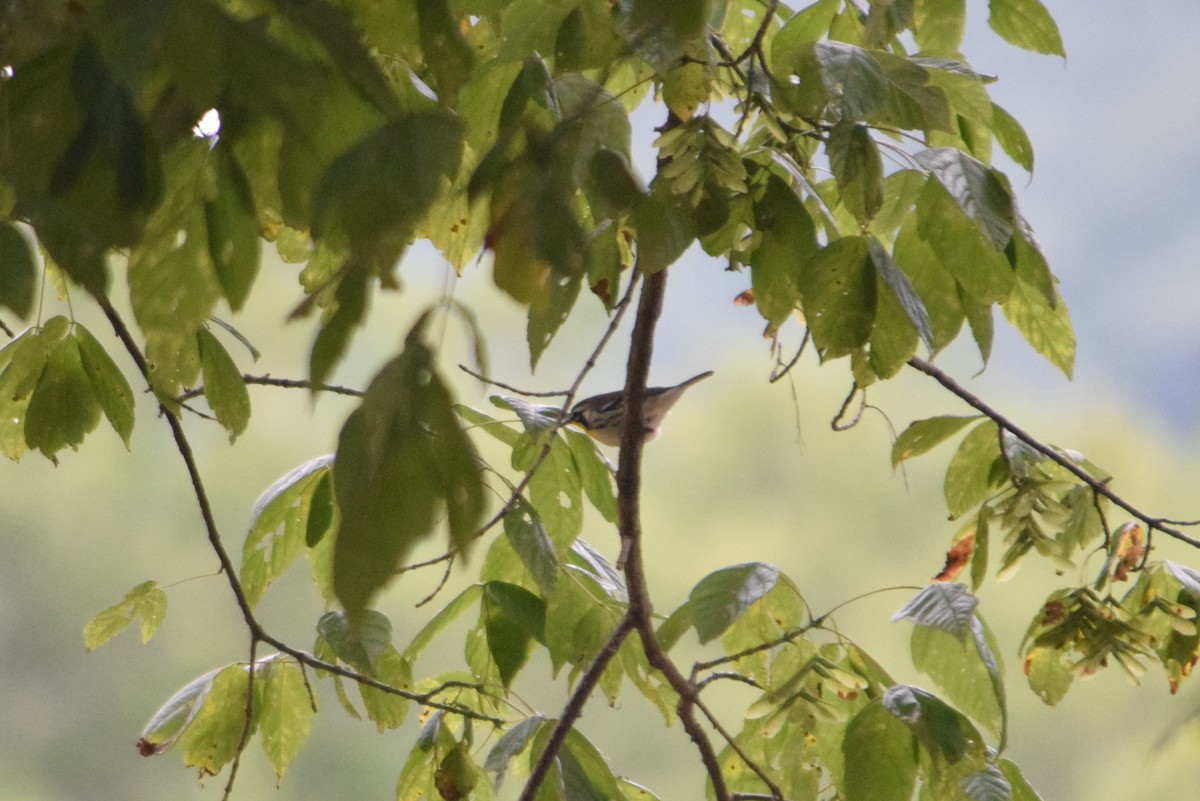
(838, 288)
(1027, 24)
(922, 436)
(145, 602)
(211, 740)
(974, 469)
(108, 383)
(880, 760)
(285, 712)
(722, 596)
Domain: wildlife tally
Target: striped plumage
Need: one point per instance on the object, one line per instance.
(601, 415)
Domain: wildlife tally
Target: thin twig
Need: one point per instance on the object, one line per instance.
(246, 720)
(1098, 486)
(285, 383)
(509, 387)
(227, 567)
(574, 708)
(779, 373)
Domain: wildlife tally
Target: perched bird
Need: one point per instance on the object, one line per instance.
(601, 416)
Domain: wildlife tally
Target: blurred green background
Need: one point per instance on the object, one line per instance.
(745, 470)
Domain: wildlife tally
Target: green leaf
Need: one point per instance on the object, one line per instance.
(664, 230)
(988, 784)
(173, 283)
(145, 601)
(946, 607)
(361, 649)
(857, 167)
(401, 457)
(979, 317)
(966, 671)
(922, 436)
(788, 240)
(961, 247)
(172, 719)
(1012, 137)
(880, 760)
(388, 710)
(941, 730)
(585, 774)
(351, 299)
(374, 195)
(438, 623)
(902, 289)
(894, 338)
(285, 712)
(512, 617)
(63, 408)
(321, 511)
(528, 537)
(722, 596)
(980, 193)
(1050, 672)
(938, 25)
(973, 469)
(546, 318)
(211, 740)
(837, 286)
(660, 32)
(934, 284)
(510, 745)
(26, 361)
(18, 270)
(112, 391)
(446, 50)
(596, 474)
(277, 522)
(224, 388)
(556, 492)
(1026, 24)
(853, 79)
(232, 228)
(1047, 328)
(1021, 791)
(913, 102)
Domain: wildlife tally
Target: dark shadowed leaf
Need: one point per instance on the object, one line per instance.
(232, 227)
(17, 270)
(788, 240)
(401, 458)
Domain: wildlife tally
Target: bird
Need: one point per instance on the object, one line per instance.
(601, 416)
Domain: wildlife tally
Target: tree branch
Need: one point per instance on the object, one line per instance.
(1099, 487)
(285, 383)
(574, 708)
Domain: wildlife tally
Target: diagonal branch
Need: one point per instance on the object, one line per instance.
(574, 708)
(1099, 487)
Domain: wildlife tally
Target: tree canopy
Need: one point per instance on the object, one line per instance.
(837, 154)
